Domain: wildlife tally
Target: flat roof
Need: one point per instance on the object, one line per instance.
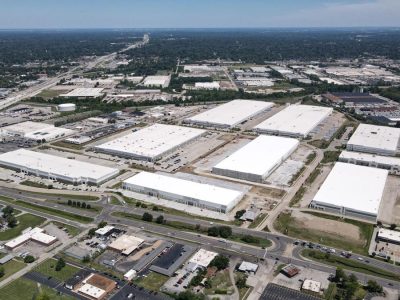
(354, 187)
(126, 244)
(55, 165)
(296, 119)
(311, 285)
(84, 92)
(152, 141)
(203, 258)
(92, 291)
(187, 188)
(156, 80)
(104, 230)
(37, 234)
(246, 266)
(260, 156)
(36, 130)
(378, 137)
(367, 157)
(388, 234)
(231, 113)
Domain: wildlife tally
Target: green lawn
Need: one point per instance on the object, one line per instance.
(348, 264)
(48, 268)
(25, 289)
(48, 94)
(12, 267)
(114, 201)
(25, 221)
(67, 145)
(330, 156)
(220, 284)
(152, 282)
(286, 224)
(34, 184)
(56, 212)
(73, 231)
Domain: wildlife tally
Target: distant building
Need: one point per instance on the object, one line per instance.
(290, 271)
(248, 267)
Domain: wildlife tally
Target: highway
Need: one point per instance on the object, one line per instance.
(248, 252)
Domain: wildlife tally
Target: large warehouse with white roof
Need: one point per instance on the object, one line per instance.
(294, 121)
(184, 191)
(352, 190)
(375, 139)
(56, 168)
(258, 159)
(230, 114)
(152, 142)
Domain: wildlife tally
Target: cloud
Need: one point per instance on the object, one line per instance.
(363, 13)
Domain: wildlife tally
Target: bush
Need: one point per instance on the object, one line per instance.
(147, 217)
(160, 220)
(83, 205)
(373, 287)
(69, 202)
(239, 213)
(88, 206)
(220, 262)
(213, 231)
(29, 259)
(2, 272)
(225, 231)
(249, 239)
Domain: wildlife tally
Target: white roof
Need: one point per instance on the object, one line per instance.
(203, 258)
(104, 230)
(246, 266)
(207, 85)
(59, 166)
(377, 137)
(311, 285)
(84, 92)
(260, 156)
(367, 157)
(35, 234)
(354, 187)
(296, 119)
(231, 113)
(191, 189)
(126, 244)
(390, 235)
(152, 141)
(92, 291)
(156, 80)
(36, 130)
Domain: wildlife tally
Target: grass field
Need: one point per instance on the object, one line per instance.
(25, 289)
(330, 156)
(288, 225)
(25, 221)
(220, 284)
(152, 282)
(48, 268)
(48, 94)
(34, 184)
(12, 267)
(67, 145)
(56, 212)
(345, 263)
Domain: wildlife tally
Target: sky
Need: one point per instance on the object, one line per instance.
(30, 14)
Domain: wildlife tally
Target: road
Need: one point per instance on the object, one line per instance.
(36, 89)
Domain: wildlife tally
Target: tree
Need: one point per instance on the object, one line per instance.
(102, 224)
(8, 211)
(83, 205)
(88, 206)
(393, 226)
(241, 282)
(220, 262)
(78, 204)
(155, 208)
(225, 231)
(12, 221)
(86, 259)
(213, 231)
(69, 202)
(373, 287)
(60, 264)
(73, 203)
(188, 295)
(239, 213)
(29, 259)
(340, 276)
(2, 272)
(160, 219)
(92, 231)
(147, 217)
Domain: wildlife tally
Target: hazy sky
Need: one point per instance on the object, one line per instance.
(197, 13)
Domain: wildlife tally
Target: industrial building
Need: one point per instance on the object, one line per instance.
(157, 81)
(375, 139)
(392, 164)
(126, 244)
(84, 93)
(388, 236)
(352, 190)
(202, 258)
(230, 114)
(96, 286)
(36, 234)
(214, 85)
(152, 142)
(295, 121)
(258, 159)
(184, 191)
(66, 107)
(56, 168)
(36, 131)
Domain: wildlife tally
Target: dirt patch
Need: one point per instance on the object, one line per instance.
(332, 227)
(268, 192)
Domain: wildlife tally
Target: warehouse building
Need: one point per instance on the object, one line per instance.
(295, 121)
(230, 114)
(36, 234)
(35, 131)
(388, 236)
(151, 143)
(258, 159)
(392, 164)
(352, 190)
(84, 93)
(56, 168)
(375, 139)
(126, 244)
(184, 191)
(157, 81)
